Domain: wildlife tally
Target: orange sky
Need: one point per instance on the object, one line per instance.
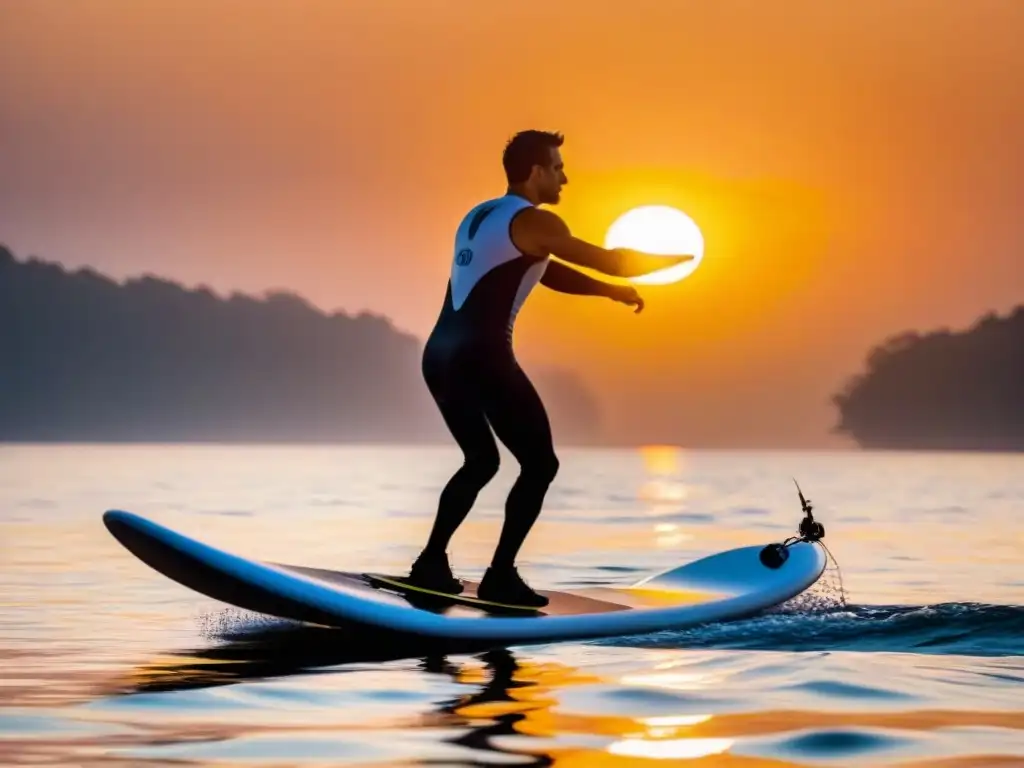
(855, 168)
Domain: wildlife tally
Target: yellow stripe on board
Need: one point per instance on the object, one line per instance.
(665, 596)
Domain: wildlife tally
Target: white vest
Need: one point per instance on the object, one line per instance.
(483, 241)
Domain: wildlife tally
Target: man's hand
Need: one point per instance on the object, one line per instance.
(563, 278)
(636, 263)
(626, 294)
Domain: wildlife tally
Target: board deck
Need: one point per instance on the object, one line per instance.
(560, 603)
(722, 586)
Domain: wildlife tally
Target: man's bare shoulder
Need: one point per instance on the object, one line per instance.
(534, 230)
(542, 220)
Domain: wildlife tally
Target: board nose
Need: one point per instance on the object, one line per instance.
(116, 519)
(127, 528)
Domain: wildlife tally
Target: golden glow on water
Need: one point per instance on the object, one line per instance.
(662, 459)
(105, 661)
(662, 488)
(671, 721)
(670, 749)
(514, 704)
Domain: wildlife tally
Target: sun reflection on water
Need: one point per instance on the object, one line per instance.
(663, 463)
(670, 749)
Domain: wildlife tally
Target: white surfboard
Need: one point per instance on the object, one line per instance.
(728, 585)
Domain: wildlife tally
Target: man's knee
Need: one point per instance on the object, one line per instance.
(482, 468)
(542, 468)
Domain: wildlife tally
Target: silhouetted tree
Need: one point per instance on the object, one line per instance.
(83, 357)
(941, 390)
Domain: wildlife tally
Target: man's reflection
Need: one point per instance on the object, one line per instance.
(492, 711)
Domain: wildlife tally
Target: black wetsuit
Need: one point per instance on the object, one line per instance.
(471, 371)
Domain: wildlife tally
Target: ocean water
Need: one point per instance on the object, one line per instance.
(909, 653)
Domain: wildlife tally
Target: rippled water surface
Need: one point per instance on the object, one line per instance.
(917, 660)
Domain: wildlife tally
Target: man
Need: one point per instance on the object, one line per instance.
(502, 250)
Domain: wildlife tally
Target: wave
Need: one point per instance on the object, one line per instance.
(973, 629)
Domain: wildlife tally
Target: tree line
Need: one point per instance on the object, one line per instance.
(941, 390)
(86, 358)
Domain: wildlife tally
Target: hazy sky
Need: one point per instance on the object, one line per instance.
(855, 168)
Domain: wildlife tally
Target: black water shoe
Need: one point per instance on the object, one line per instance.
(507, 586)
(433, 572)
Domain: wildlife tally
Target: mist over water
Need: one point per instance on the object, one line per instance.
(909, 652)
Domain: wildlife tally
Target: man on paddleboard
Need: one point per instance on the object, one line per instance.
(502, 250)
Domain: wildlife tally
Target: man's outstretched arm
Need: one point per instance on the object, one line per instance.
(542, 233)
(564, 279)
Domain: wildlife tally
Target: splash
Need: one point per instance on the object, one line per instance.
(236, 623)
(825, 595)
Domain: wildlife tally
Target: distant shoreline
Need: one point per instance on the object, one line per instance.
(449, 445)
(88, 360)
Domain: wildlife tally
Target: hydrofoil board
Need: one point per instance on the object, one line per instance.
(727, 585)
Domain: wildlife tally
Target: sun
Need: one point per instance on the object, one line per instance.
(658, 229)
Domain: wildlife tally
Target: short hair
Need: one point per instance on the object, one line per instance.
(527, 149)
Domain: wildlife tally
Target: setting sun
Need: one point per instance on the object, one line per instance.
(658, 229)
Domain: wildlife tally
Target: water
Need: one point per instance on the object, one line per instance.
(106, 662)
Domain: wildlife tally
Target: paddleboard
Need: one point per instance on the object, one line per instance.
(723, 586)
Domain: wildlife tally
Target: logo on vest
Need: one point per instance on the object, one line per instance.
(464, 257)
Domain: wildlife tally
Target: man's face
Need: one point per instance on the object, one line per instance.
(551, 178)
